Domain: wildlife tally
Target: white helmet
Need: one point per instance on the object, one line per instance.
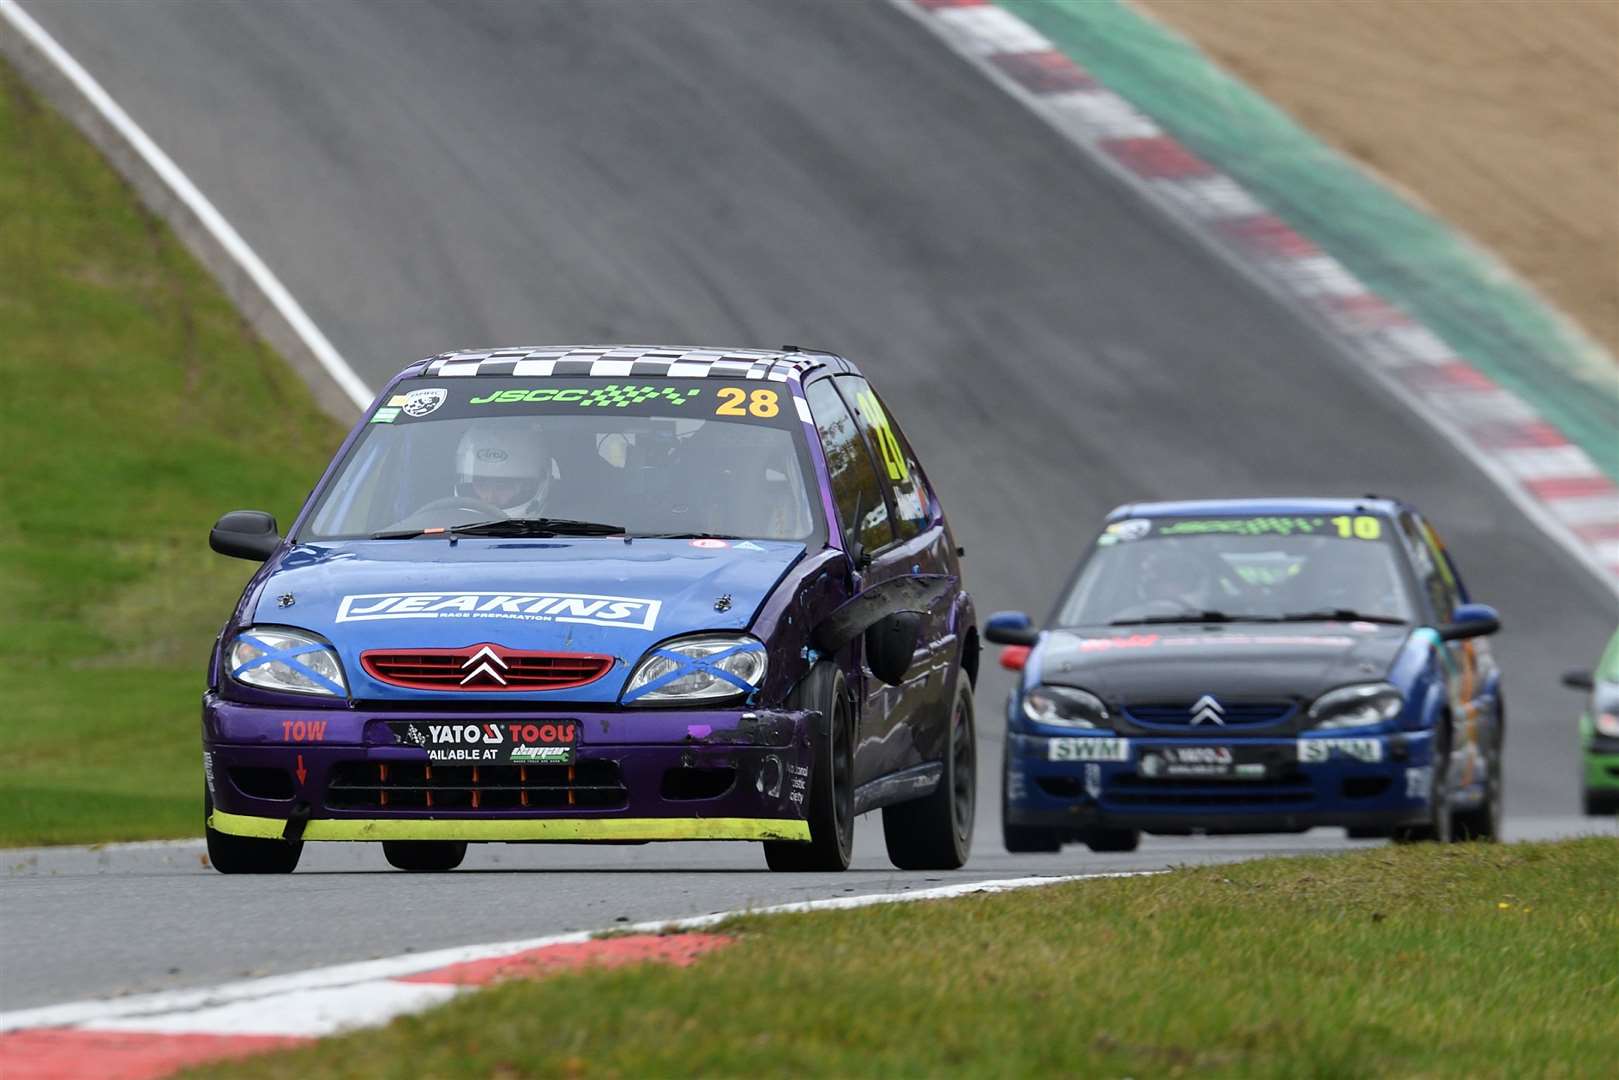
(506, 465)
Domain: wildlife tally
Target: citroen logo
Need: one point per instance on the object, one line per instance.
(1206, 710)
(484, 662)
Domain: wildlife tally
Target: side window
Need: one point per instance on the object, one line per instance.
(854, 480)
(900, 476)
(1450, 587)
(1428, 563)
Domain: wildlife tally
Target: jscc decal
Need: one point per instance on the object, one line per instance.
(521, 742)
(627, 611)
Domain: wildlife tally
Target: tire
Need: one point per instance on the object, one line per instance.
(935, 832)
(831, 802)
(246, 854)
(1369, 832)
(1484, 822)
(1024, 839)
(424, 856)
(1439, 828)
(1112, 840)
(1601, 803)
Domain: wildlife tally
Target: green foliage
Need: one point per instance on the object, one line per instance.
(137, 407)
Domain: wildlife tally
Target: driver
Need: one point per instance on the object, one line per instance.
(1170, 575)
(506, 466)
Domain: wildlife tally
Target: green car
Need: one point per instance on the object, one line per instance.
(1599, 730)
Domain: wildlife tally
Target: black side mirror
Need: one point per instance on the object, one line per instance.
(1470, 621)
(891, 645)
(245, 534)
(1579, 680)
(1011, 628)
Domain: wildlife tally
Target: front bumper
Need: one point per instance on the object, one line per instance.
(1602, 766)
(636, 775)
(1294, 783)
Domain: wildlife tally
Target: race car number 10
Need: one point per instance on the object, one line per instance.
(735, 401)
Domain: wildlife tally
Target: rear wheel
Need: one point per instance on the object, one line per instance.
(424, 856)
(247, 854)
(1109, 840)
(831, 800)
(1483, 822)
(936, 832)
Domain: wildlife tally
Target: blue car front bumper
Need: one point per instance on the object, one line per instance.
(1237, 785)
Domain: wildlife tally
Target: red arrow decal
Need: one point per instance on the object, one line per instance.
(301, 771)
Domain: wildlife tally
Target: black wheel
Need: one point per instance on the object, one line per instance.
(1601, 803)
(1023, 839)
(831, 801)
(1483, 822)
(247, 854)
(424, 856)
(1369, 832)
(1104, 840)
(936, 832)
(1439, 826)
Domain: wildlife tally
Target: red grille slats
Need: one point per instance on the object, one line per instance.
(484, 667)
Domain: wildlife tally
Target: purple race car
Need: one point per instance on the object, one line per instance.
(611, 594)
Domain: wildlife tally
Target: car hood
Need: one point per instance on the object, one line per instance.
(1240, 661)
(588, 595)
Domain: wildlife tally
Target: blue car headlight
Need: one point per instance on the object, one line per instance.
(1065, 706)
(703, 667)
(1361, 705)
(278, 658)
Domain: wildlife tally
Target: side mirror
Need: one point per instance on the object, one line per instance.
(1579, 680)
(1470, 621)
(891, 645)
(245, 534)
(1010, 628)
(1015, 657)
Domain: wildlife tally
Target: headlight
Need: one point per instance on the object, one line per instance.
(278, 659)
(1607, 723)
(703, 668)
(1065, 707)
(1356, 706)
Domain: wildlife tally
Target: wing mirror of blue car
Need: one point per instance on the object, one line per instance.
(1471, 621)
(245, 534)
(1010, 628)
(1579, 679)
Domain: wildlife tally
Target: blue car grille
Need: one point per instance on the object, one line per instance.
(1178, 715)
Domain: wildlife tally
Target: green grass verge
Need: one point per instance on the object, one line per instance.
(137, 406)
(1468, 960)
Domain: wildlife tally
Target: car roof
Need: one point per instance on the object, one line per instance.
(630, 361)
(1365, 504)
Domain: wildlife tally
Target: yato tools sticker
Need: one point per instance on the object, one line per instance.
(627, 611)
(504, 742)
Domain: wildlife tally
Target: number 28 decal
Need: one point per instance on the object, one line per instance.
(735, 401)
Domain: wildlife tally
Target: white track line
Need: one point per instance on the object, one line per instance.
(162, 1007)
(180, 184)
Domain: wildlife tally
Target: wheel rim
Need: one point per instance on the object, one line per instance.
(963, 764)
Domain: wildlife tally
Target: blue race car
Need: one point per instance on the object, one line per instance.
(600, 594)
(1255, 666)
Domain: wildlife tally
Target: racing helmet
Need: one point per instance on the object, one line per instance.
(1169, 572)
(504, 464)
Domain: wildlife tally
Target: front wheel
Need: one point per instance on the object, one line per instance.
(831, 800)
(424, 856)
(1112, 840)
(1483, 822)
(247, 854)
(1601, 803)
(935, 832)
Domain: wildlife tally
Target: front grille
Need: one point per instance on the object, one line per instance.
(1135, 790)
(447, 669)
(372, 785)
(1178, 715)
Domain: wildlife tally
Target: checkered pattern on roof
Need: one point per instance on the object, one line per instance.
(624, 361)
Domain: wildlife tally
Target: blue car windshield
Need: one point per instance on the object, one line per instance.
(1165, 569)
(665, 456)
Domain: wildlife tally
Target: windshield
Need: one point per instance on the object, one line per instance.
(1212, 569)
(576, 456)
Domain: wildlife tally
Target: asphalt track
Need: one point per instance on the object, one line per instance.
(428, 175)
